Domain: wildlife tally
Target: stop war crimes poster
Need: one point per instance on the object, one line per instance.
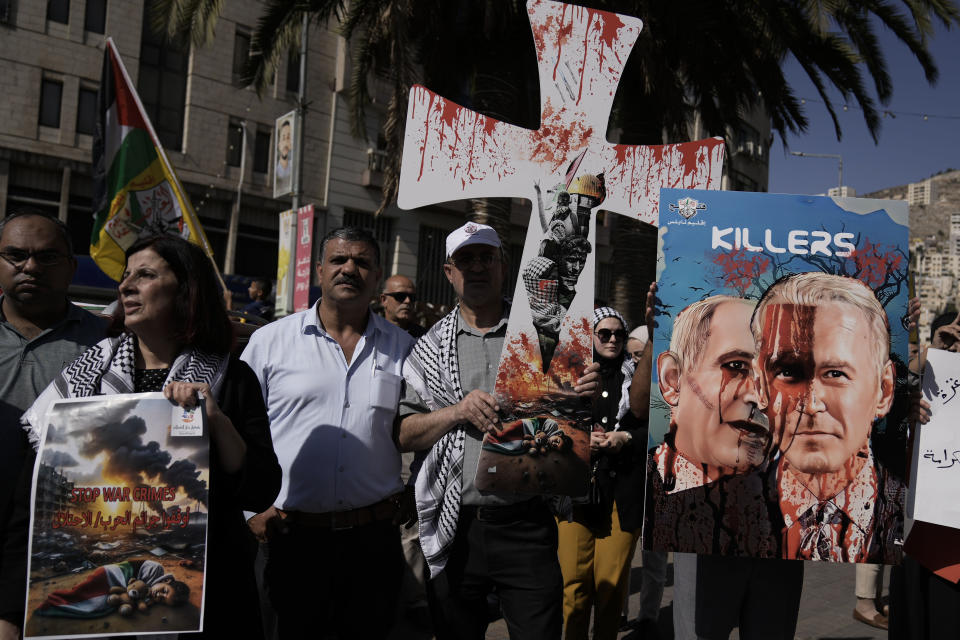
(780, 334)
(119, 520)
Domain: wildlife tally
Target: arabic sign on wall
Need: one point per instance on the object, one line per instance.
(773, 383)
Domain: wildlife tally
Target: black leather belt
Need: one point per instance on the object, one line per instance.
(526, 510)
(386, 509)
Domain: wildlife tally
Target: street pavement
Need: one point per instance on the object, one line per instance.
(826, 608)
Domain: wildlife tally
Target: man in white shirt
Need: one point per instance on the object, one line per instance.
(331, 379)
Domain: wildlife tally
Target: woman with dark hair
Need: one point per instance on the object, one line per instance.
(595, 548)
(171, 333)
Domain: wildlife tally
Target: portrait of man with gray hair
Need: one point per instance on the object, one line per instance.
(706, 489)
(825, 378)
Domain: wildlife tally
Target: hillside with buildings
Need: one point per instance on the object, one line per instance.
(931, 203)
(934, 241)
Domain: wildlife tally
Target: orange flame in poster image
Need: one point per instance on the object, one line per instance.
(521, 376)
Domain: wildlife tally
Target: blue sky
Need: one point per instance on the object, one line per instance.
(909, 149)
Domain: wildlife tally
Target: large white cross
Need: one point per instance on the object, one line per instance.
(452, 153)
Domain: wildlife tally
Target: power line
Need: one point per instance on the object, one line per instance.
(890, 113)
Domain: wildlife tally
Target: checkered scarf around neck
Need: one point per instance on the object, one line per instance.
(432, 369)
(107, 368)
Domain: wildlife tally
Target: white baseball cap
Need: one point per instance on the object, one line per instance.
(471, 233)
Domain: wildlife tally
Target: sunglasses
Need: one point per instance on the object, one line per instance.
(464, 263)
(401, 296)
(606, 334)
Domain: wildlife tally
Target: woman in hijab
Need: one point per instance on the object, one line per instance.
(597, 545)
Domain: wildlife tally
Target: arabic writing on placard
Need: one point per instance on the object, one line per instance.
(941, 458)
(949, 390)
(87, 520)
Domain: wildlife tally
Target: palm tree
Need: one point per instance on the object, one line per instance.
(718, 60)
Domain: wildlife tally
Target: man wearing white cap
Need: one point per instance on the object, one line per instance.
(475, 541)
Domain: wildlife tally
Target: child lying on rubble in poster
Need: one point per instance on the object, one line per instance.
(99, 594)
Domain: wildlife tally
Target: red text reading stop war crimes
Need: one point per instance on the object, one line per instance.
(123, 494)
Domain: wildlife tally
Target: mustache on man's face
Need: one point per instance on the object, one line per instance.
(354, 281)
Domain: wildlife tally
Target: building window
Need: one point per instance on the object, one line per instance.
(95, 16)
(162, 84)
(6, 11)
(241, 53)
(432, 284)
(261, 151)
(293, 72)
(234, 143)
(58, 11)
(50, 93)
(382, 229)
(87, 111)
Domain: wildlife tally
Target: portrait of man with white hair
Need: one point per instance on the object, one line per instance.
(825, 374)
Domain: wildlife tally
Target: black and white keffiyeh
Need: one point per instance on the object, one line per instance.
(107, 368)
(432, 369)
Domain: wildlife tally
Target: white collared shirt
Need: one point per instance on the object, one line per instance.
(331, 421)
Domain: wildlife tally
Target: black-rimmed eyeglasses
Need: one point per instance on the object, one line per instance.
(44, 258)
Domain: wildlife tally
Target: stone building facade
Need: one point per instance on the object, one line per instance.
(51, 52)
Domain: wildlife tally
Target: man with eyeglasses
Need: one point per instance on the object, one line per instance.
(475, 542)
(40, 333)
(399, 301)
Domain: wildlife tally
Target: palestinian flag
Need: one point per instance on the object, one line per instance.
(136, 191)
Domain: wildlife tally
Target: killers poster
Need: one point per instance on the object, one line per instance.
(119, 519)
(781, 333)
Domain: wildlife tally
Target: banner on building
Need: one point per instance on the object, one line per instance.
(286, 251)
(776, 429)
(118, 525)
(136, 190)
(284, 156)
(304, 262)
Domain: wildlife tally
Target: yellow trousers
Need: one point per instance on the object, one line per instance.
(595, 574)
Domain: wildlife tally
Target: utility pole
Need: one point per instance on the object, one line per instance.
(834, 156)
(301, 117)
(229, 257)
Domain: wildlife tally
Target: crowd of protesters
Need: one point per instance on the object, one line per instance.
(346, 443)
